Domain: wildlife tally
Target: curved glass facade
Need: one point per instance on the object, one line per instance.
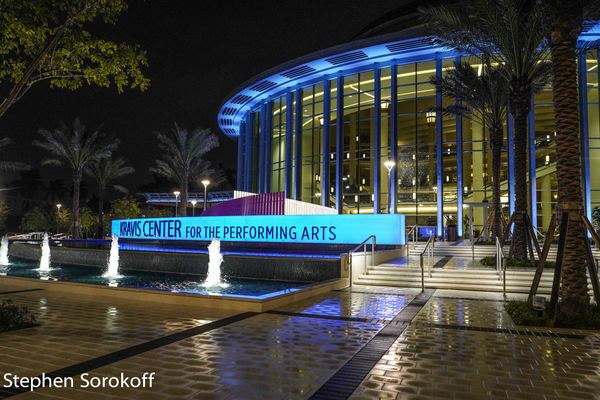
(326, 142)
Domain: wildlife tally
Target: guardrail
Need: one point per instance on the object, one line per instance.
(363, 244)
(429, 250)
(501, 265)
(413, 232)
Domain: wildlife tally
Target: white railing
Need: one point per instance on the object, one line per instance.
(412, 233)
(428, 250)
(501, 265)
(363, 244)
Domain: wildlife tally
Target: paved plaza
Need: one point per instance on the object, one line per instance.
(367, 343)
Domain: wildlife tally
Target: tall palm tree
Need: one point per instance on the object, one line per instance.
(10, 166)
(563, 24)
(105, 172)
(182, 161)
(76, 148)
(484, 98)
(509, 33)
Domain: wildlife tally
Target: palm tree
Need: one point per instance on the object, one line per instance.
(509, 33)
(564, 23)
(484, 98)
(105, 172)
(11, 166)
(75, 148)
(182, 160)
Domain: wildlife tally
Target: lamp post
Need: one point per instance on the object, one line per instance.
(389, 164)
(193, 207)
(58, 206)
(205, 182)
(176, 193)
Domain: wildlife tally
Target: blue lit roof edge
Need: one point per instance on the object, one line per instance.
(375, 49)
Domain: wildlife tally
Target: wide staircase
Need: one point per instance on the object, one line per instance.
(474, 277)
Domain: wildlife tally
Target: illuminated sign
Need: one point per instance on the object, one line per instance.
(324, 229)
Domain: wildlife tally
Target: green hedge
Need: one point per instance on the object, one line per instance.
(14, 317)
(523, 313)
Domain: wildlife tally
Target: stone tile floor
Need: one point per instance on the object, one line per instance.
(276, 356)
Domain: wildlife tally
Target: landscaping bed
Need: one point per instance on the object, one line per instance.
(523, 313)
(13, 317)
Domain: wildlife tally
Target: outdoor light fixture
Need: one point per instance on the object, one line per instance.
(385, 105)
(389, 164)
(58, 206)
(430, 117)
(176, 193)
(205, 182)
(194, 202)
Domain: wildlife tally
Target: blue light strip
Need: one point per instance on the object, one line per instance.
(439, 152)
(248, 173)
(325, 149)
(532, 166)
(511, 163)
(376, 156)
(585, 142)
(339, 143)
(268, 144)
(240, 160)
(393, 195)
(289, 128)
(459, 166)
(261, 149)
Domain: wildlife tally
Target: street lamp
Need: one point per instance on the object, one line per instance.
(58, 206)
(205, 182)
(389, 164)
(176, 193)
(193, 207)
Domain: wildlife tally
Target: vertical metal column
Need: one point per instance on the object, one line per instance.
(289, 129)
(532, 165)
(248, 173)
(298, 146)
(261, 149)
(240, 157)
(376, 157)
(585, 143)
(439, 152)
(393, 195)
(325, 142)
(339, 143)
(459, 167)
(268, 118)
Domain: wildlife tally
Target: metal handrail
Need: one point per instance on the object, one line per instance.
(373, 241)
(412, 232)
(501, 264)
(429, 250)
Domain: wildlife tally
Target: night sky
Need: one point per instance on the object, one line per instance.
(198, 53)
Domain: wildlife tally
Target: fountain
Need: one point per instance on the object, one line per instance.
(215, 258)
(45, 258)
(113, 259)
(4, 251)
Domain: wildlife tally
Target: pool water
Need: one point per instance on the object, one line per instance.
(193, 284)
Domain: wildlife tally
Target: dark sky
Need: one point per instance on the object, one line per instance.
(198, 51)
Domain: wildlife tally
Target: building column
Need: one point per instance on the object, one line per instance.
(584, 123)
(478, 171)
(268, 118)
(438, 152)
(289, 129)
(240, 158)
(325, 150)
(459, 167)
(532, 166)
(393, 192)
(248, 152)
(339, 143)
(376, 156)
(298, 146)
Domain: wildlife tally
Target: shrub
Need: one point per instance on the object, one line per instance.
(14, 317)
(522, 313)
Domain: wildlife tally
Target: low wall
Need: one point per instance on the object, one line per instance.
(280, 268)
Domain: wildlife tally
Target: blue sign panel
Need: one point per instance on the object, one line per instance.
(323, 229)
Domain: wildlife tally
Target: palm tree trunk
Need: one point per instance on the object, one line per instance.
(75, 227)
(184, 194)
(574, 281)
(521, 107)
(100, 214)
(496, 145)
